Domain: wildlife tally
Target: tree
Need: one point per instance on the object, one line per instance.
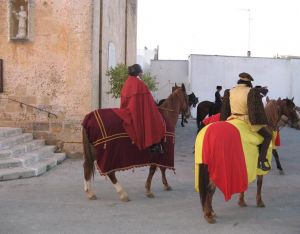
(118, 76)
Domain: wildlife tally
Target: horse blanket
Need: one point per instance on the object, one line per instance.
(230, 149)
(115, 150)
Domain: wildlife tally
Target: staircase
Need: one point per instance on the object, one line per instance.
(21, 156)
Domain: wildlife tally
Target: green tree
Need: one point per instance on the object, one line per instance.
(119, 74)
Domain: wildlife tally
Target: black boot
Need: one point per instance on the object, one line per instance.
(157, 148)
(264, 165)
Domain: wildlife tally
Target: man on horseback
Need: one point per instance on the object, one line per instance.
(244, 102)
(141, 118)
(216, 108)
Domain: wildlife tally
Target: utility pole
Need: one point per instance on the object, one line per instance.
(249, 30)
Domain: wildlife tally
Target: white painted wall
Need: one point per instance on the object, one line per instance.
(202, 73)
(295, 84)
(167, 73)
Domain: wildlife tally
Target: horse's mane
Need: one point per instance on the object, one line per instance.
(171, 99)
(272, 113)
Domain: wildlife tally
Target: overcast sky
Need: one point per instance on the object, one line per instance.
(219, 27)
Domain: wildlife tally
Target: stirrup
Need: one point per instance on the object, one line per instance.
(157, 148)
(261, 165)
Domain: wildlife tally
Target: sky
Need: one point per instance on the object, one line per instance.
(219, 27)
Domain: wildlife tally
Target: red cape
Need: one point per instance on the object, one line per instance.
(141, 118)
(225, 158)
(212, 119)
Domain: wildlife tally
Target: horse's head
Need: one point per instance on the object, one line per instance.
(288, 108)
(193, 100)
(183, 100)
(175, 87)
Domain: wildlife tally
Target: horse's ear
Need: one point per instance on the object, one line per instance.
(183, 87)
(292, 99)
(279, 99)
(267, 99)
(176, 85)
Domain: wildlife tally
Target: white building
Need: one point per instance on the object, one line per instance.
(202, 73)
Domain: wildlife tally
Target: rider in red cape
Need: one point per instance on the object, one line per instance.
(141, 118)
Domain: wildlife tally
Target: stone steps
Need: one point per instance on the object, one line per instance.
(21, 156)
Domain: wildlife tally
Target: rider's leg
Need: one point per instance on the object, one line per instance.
(262, 160)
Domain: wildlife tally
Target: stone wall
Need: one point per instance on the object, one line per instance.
(53, 70)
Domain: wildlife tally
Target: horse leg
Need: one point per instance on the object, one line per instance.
(259, 201)
(152, 170)
(167, 187)
(122, 193)
(210, 197)
(278, 164)
(209, 213)
(206, 191)
(182, 120)
(88, 165)
(242, 202)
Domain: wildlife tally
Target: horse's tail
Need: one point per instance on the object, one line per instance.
(203, 183)
(88, 157)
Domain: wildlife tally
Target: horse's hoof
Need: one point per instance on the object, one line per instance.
(92, 196)
(168, 188)
(124, 199)
(213, 214)
(281, 172)
(242, 204)
(209, 219)
(260, 204)
(149, 195)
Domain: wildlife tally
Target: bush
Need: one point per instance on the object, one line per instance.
(118, 76)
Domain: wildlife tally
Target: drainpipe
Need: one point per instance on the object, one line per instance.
(126, 22)
(100, 53)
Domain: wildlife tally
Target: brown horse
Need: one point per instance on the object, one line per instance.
(192, 100)
(106, 142)
(274, 110)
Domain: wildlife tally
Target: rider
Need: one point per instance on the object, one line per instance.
(244, 102)
(218, 101)
(141, 118)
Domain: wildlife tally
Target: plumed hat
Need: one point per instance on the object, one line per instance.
(245, 76)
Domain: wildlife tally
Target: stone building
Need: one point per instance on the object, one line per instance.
(54, 56)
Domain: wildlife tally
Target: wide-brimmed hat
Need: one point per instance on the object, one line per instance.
(245, 76)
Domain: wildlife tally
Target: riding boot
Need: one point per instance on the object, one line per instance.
(276, 156)
(156, 148)
(263, 162)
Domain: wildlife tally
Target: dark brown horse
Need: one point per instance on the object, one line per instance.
(274, 110)
(106, 142)
(206, 108)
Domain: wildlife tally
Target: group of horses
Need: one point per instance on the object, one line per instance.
(108, 148)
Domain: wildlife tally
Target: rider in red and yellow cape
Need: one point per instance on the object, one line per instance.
(236, 161)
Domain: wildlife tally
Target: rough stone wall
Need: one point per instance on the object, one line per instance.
(57, 68)
(52, 70)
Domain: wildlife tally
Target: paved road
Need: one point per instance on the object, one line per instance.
(55, 202)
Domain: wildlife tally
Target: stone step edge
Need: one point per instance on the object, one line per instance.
(33, 170)
(28, 158)
(22, 149)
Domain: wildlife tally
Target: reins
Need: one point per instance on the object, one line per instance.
(167, 109)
